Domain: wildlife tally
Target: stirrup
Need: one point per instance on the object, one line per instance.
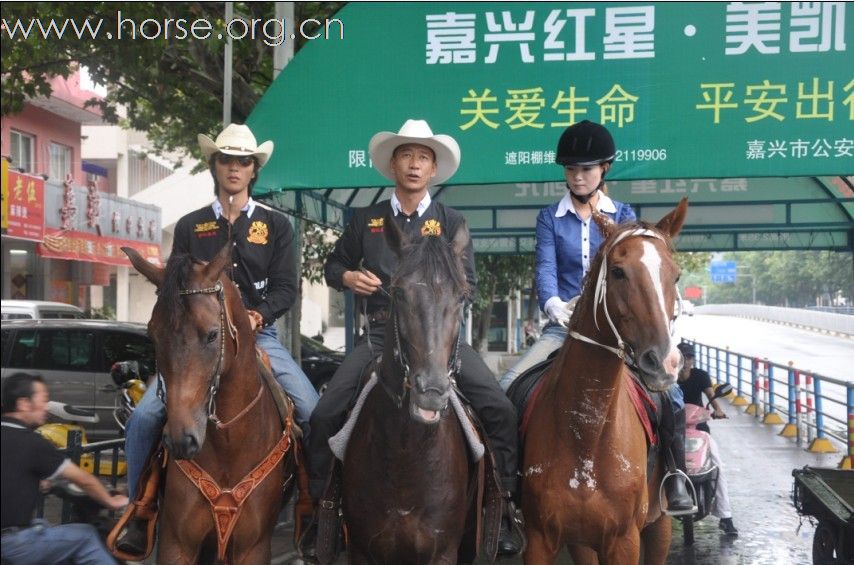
(693, 493)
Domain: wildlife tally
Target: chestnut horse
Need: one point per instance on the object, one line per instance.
(223, 430)
(585, 483)
(408, 484)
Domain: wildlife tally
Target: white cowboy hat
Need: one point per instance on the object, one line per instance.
(447, 151)
(236, 139)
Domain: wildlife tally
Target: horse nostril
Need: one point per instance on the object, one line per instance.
(424, 384)
(420, 383)
(650, 361)
(191, 444)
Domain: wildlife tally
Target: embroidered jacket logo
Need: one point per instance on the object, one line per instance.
(431, 227)
(258, 233)
(376, 224)
(205, 227)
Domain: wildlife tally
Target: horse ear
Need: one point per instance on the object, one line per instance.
(394, 236)
(606, 224)
(152, 272)
(672, 223)
(461, 240)
(219, 262)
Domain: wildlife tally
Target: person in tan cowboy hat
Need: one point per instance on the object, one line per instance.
(264, 271)
(414, 159)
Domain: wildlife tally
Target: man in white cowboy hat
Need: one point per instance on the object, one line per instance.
(414, 159)
(264, 271)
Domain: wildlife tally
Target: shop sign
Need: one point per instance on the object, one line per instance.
(26, 206)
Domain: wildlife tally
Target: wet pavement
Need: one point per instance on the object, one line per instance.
(758, 466)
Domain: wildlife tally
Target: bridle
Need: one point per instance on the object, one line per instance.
(402, 360)
(623, 350)
(216, 375)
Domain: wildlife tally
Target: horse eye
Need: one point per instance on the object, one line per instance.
(618, 273)
(212, 335)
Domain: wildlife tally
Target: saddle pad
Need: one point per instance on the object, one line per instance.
(644, 405)
(524, 390)
(338, 442)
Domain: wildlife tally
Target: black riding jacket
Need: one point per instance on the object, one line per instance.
(363, 245)
(263, 261)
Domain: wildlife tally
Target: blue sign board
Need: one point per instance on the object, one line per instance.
(723, 272)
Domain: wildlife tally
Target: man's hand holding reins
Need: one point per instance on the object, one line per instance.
(362, 282)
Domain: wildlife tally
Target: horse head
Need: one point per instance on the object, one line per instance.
(193, 327)
(636, 294)
(428, 291)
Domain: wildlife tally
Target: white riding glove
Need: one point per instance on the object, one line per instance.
(558, 311)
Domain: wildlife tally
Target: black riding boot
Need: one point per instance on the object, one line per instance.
(511, 534)
(672, 432)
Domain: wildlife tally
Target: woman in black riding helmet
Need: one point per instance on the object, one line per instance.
(567, 238)
(567, 241)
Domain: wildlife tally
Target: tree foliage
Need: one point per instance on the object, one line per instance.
(784, 278)
(317, 244)
(172, 88)
(497, 276)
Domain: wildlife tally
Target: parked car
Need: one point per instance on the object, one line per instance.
(75, 357)
(687, 307)
(38, 310)
(319, 362)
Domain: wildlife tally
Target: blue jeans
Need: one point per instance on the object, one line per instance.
(149, 415)
(551, 339)
(44, 544)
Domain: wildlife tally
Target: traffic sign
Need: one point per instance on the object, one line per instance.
(723, 272)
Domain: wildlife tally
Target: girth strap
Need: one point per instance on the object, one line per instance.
(226, 504)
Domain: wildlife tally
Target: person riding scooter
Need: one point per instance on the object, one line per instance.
(692, 380)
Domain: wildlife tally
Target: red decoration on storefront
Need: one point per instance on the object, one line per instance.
(93, 204)
(68, 210)
(83, 246)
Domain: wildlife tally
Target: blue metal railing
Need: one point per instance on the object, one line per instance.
(816, 406)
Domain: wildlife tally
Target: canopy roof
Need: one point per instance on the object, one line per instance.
(747, 109)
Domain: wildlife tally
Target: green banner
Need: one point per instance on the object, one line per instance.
(689, 90)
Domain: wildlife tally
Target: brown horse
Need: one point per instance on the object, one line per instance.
(230, 452)
(408, 485)
(585, 483)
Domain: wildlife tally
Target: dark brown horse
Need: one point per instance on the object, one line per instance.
(585, 484)
(408, 485)
(230, 452)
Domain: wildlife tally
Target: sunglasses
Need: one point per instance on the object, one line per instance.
(242, 160)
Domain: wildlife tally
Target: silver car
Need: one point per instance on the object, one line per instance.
(75, 358)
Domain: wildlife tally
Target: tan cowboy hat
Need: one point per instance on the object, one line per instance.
(383, 144)
(236, 139)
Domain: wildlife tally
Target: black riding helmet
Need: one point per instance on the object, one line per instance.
(686, 349)
(585, 143)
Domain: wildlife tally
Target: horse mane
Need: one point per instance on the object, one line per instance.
(589, 282)
(433, 255)
(176, 278)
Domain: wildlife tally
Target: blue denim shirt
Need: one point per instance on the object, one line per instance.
(560, 257)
